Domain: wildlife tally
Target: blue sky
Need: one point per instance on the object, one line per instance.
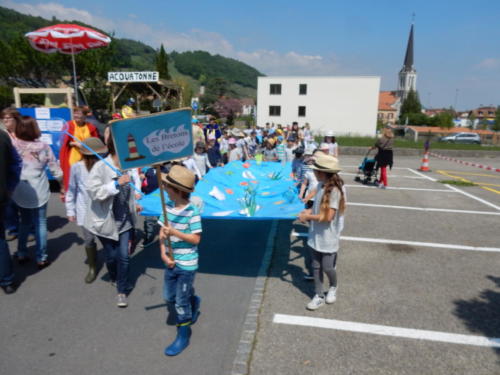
(457, 50)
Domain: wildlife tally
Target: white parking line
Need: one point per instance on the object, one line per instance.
(401, 188)
(458, 190)
(473, 197)
(357, 166)
(421, 175)
(389, 176)
(425, 209)
(411, 243)
(375, 329)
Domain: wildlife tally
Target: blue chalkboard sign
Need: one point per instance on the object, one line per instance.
(153, 139)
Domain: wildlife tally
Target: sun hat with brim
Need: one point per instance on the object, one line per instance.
(326, 163)
(95, 144)
(237, 133)
(180, 178)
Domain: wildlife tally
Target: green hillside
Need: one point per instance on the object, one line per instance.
(20, 60)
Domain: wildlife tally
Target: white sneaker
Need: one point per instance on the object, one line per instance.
(331, 295)
(121, 300)
(316, 303)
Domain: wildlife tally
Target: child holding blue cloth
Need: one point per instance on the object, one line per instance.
(184, 229)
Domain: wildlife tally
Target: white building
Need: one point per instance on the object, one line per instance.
(346, 105)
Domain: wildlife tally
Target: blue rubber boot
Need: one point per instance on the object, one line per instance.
(181, 342)
(195, 308)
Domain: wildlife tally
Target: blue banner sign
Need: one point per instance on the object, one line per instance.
(153, 139)
(52, 122)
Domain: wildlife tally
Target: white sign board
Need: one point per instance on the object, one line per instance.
(42, 113)
(133, 76)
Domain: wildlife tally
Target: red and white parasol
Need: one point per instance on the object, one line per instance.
(68, 39)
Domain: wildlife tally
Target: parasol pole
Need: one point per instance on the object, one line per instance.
(74, 74)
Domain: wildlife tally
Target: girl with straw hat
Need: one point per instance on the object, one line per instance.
(77, 198)
(325, 224)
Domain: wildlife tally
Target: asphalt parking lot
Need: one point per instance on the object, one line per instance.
(56, 324)
(419, 292)
(418, 283)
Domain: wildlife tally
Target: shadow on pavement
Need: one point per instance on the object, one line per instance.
(56, 222)
(232, 248)
(287, 252)
(55, 247)
(482, 314)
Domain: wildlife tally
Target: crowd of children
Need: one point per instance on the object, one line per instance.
(102, 201)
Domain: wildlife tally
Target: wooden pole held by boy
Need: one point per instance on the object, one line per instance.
(164, 208)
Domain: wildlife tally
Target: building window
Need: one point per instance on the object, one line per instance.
(275, 89)
(274, 110)
(302, 111)
(391, 115)
(302, 89)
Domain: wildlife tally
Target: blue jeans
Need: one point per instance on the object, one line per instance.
(178, 288)
(38, 216)
(11, 217)
(6, 269)
(117, 260)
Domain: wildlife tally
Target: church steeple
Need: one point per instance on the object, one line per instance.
(407, 75)
(408, 65)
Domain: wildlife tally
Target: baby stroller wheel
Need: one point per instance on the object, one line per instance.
(357, 179)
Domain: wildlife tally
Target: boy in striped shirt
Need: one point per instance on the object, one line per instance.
(184, 229)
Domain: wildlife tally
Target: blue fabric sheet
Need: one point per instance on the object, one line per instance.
(276, 194)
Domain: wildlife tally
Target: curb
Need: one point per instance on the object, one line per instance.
(244, 352)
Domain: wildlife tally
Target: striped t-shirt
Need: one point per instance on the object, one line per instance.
(186, 220)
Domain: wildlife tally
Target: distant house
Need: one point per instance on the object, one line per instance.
(431, 112)
(248, 107)
(389, 104)
(483, 113)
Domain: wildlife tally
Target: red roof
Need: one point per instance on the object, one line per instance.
(436, 129)
(247, 101)
(386, 100)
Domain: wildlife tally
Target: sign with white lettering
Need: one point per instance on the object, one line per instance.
(133, 76)
(153, 139)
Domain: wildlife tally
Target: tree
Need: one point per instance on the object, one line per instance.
(496, 124)
(218, 86)
(471, 121)
(443, 120)
(187, 92)
(162, 63)
(228, 107)
(410, 105)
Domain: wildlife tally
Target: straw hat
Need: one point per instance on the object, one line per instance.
(235, 132)
(180, 178)
(326, 163)
(94, 144)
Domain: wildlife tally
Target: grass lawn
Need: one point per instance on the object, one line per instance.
(405, 143)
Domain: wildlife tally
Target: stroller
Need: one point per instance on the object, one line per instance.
(367, 168)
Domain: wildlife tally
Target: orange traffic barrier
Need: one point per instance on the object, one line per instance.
(425, 163)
